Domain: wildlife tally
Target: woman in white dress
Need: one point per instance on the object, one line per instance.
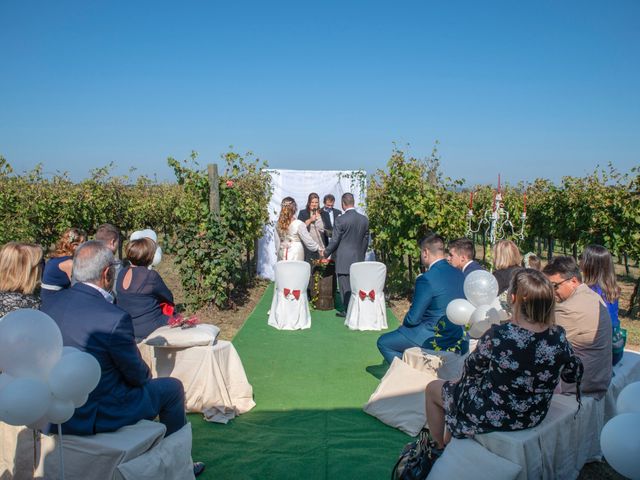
(292, 233)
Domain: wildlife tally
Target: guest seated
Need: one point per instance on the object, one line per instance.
(89, 322)
(20, 270)
(531, 260)
(584, 316)
(461, 256)
(599, 274)
(141, 291)
(507, 261)
(109, 235)
(509, 380)
(57, 271)
(426, 324)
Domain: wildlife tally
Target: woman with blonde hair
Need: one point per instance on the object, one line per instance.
(507, 261)
(509, 379)
(57, 271)
(20, 270)
(292, 233)
(599, 274)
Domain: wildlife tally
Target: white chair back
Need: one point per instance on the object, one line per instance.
(290, 305)
(367, 280)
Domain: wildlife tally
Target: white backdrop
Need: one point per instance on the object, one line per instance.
(299, 184)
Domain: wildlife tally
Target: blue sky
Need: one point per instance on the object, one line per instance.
(525, 88)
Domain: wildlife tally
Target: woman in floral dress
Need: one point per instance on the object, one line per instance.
(508, 381)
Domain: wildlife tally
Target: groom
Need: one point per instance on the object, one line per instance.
(350, 239)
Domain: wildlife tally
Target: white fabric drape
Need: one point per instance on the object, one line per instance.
(299, 184)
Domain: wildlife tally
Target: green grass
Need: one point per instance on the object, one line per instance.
(309, 387)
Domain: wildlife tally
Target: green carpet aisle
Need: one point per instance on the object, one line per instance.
(309, 387)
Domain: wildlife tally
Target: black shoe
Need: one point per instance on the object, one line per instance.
(198, 468)
(341, 314)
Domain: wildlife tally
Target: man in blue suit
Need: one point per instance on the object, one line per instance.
(91, 323)
(461, 255)
(425, 324)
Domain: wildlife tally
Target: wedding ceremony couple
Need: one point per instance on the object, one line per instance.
(323, 233)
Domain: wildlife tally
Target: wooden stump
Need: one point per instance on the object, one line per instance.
(325, 288)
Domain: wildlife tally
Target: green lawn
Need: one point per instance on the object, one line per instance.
(309, 387)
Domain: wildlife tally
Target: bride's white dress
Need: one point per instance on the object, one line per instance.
(290, 244)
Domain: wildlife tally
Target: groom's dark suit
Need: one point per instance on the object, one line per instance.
(350, 239)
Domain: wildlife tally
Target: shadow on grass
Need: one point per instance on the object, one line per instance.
(343, 443)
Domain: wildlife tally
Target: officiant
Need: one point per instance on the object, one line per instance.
(329, 215)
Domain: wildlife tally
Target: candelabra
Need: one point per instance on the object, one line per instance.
(496, 221)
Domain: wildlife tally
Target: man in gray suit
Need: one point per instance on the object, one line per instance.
(350, 240)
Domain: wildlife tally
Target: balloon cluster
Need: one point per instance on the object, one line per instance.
(619, 438)
(41, 381)
(481, 308)
(148, 233)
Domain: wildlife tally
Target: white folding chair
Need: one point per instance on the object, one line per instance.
(367, 309)
(290, 305)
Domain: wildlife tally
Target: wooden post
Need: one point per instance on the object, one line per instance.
(214, 189)
(256, 242)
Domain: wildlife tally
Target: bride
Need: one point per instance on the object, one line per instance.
(292, 233)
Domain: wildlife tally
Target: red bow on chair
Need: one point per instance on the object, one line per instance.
(295, 293)
(371, 295)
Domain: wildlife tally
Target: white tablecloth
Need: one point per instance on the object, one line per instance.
(214, 379)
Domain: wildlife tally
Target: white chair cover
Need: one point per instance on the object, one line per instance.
(288, 312)
(213, 377)
(113, 456)
(367, 314)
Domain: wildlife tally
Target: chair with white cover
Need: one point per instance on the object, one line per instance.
(139, 451)
(367, 308)
(290, 305)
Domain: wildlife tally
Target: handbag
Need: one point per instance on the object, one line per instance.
(618, 342)
(417, 458)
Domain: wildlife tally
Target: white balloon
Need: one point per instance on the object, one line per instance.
(5, 378)
(23, 401)
(629, 399)
(157, 257)
(620, 444)
(60, 411)
(479, 328)
(480, 287)
(68, 350)
(459, 311)
(502, 313)
(74, 376)
(148, 233)
(80, 401)
(30, 343)
(485, 313)
(40, 424)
